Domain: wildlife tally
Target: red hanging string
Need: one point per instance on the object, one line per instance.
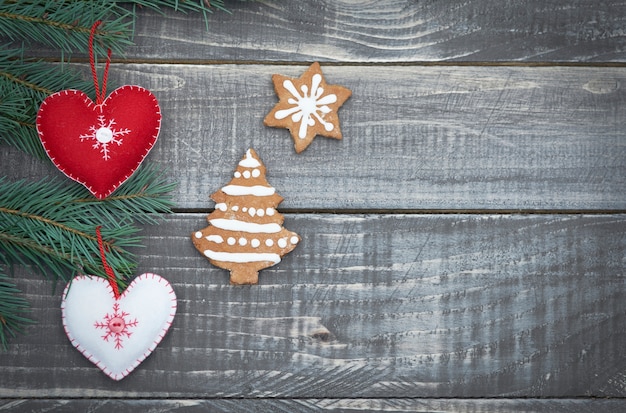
(100, 94)
(107, 268)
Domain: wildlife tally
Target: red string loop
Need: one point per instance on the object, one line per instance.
(107, 268)
(100, 94)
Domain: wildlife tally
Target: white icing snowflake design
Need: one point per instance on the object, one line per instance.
(308, 107)
(104, 134)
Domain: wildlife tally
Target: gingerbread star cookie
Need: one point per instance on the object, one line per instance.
(307, 107)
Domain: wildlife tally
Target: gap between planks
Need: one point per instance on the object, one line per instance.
(83, 59)
(426, 211)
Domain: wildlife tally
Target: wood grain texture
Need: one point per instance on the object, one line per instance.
(391, 31)
(316, 405)
(381, 307)
(415, 137)
(376, 306)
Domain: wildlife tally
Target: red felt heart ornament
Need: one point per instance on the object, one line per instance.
(99, 145)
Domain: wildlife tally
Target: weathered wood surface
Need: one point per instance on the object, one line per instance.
(394, 31)
(389, 31)
(415, 138)
(382, 306)
(318, 405)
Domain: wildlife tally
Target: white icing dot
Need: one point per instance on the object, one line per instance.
(294, 240)
(269, 242)
(237, 174)
(270, 211)
(256, 173)
(246, 174)
(198, 234)
(244, 209)
(243, 241)
(235, 208)
(231, 241)
(282, 243)
(255, 243)
(252, 211)
(221, 207)
(260, 212)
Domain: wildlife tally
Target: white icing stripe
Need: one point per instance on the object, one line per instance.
(242, 257)
(249, 161)
(235, 225)
(256, 190)
(215, 238)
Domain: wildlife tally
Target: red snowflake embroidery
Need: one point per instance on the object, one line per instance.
(116, 326)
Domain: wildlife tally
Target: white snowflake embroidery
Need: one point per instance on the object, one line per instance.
(116, 326)
(104, 134)
(309, 107)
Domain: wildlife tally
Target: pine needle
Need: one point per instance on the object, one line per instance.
(142, 197)
(12, 309)
(23, 86)
(50, 233)
(65, 25)
(50, 225)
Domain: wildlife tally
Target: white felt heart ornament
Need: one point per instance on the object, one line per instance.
(117, 334)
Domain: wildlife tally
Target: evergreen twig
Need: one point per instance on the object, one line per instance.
(49, 225)
(65, 25)
(12, 309)
(24, 85)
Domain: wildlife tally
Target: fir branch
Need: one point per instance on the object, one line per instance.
(12, 309)
(17, 127)
(37, 79)
(51, 225)
(144, 195)
(23, 86)
(65, 25)
(42, 226)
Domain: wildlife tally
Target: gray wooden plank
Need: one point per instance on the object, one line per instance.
(389, 31)
(415, 138)
(317, 405)
(368, 306)
(392, 31)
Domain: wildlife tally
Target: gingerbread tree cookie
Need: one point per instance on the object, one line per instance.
(307, 107)
(245, 233)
